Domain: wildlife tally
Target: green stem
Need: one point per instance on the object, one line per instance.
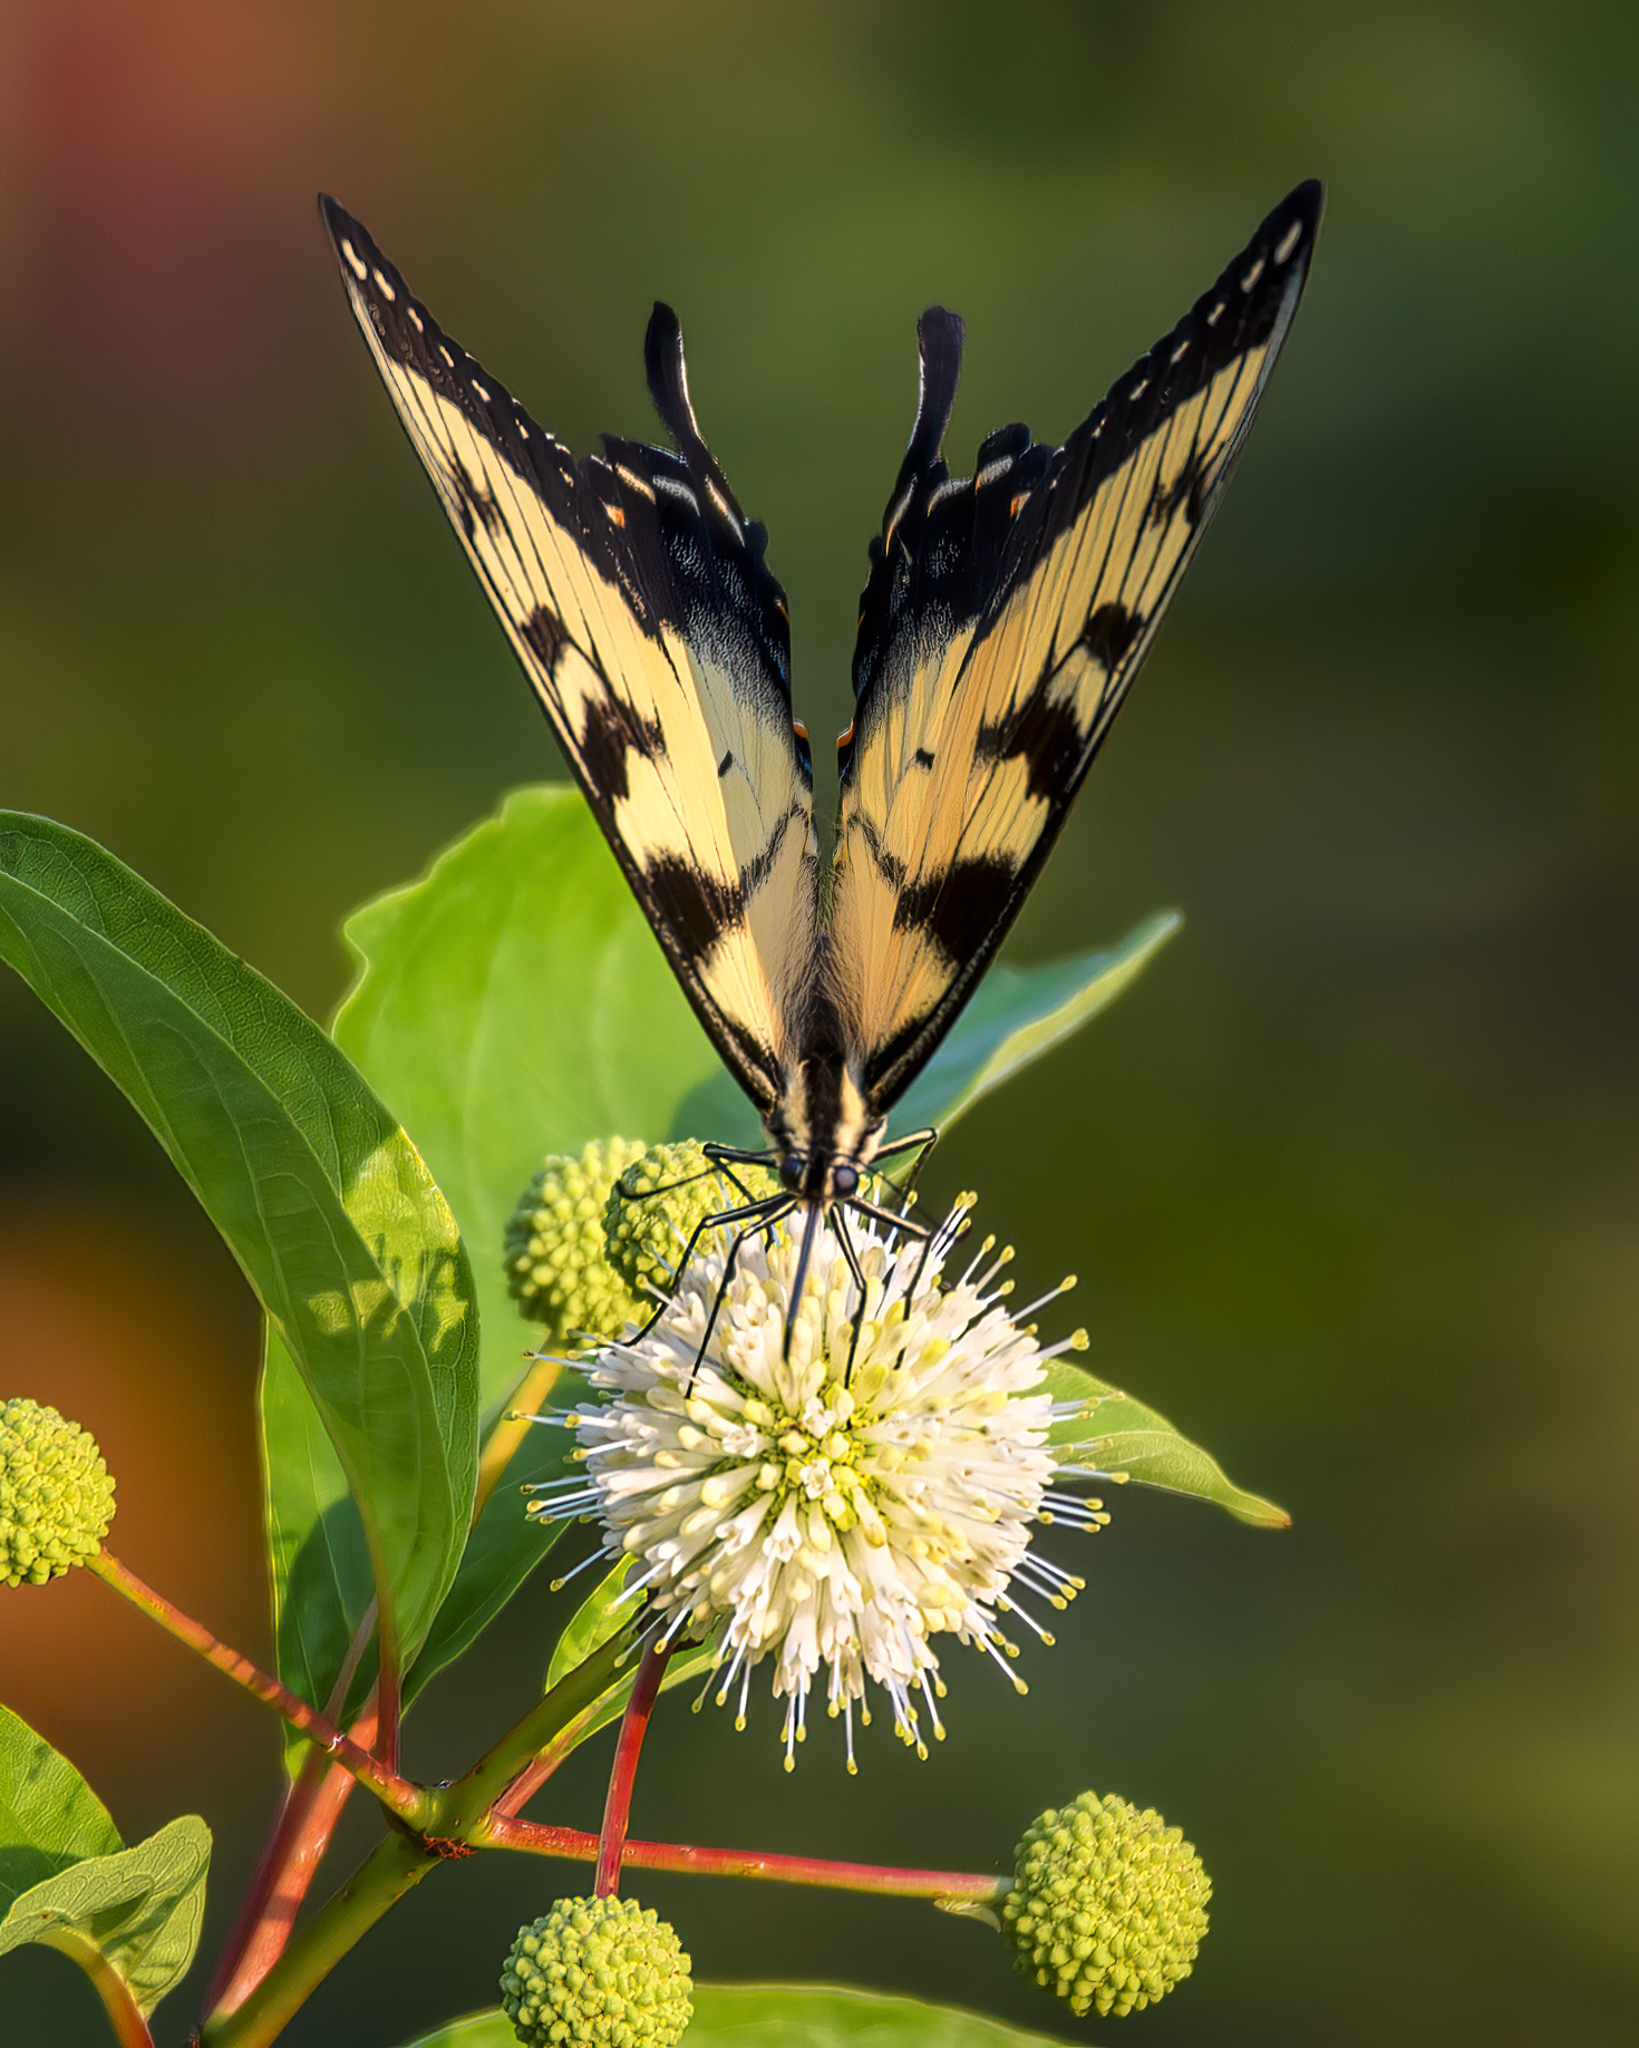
(501, 1831)
(287, 1868)
(124, 2016)
(395, 1866)
(546, 1727)
(447, 1823)
(409, 1801)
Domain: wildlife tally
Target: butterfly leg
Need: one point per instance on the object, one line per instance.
(761, 1223)
(921, 1143)
(717, 1166)
(895, 1219)
(840, 1226)
(770, 1210)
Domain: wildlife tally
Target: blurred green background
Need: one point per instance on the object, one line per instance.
(1349, 1178)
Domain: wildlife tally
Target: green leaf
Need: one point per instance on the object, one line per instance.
(136, 1911)
(1114, 1433)
(1017, 1014)
(788, 2016)
(832, 2015)
(322, 1576)
(318, 1558)
(320, 1196)
(506, 1545)
(513, 1002)
(49, 1815)
(603, 1614)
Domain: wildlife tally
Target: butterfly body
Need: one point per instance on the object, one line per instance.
(1003, 620)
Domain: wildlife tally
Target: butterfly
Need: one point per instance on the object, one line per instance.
(1004, 618)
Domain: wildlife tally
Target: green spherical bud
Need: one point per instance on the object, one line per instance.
(1108, 1905)
(556, 1270)
(56, 1498)
(646, 1231)
(597, 1971)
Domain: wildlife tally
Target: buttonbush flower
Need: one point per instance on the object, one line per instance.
(554, 1251)
(814, 1513)
(598, 1973)
(1108, 1904)
(656, 1203)
(56, 1497)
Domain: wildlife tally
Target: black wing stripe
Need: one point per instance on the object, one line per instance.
(1004, 646)
(636, 598)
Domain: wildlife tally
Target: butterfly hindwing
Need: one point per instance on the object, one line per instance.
(635, 595)
(1004, 620)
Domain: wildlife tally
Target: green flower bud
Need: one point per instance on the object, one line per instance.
(602, 1972)
(556, 1270)
(56, 1498)
(1108, 1905)
(646, 1232)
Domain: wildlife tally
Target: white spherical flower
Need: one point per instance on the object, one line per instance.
(813, 1512)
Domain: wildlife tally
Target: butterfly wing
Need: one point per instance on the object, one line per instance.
(1004, 620)
(635, 595)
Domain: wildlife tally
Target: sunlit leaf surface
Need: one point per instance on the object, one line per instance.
(788, 2016)
(1114, 1433)
(328, 1208)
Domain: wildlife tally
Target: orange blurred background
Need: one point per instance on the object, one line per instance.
(1349, 1178)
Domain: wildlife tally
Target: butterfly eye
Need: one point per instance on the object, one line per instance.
(791, 1167)
(845, 1181)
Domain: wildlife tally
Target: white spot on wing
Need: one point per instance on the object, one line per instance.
(1216, 314)
(416, 320)
(479, 392)
(1289, 241)
(1138, 390)
(1180, 351)
(384, 287)
(1252, 275)
(360, 270)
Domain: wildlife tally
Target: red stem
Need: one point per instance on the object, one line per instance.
(617, 1807)
(286, 1871)
(294, 1848)
(536, 1837)
(406, 1799)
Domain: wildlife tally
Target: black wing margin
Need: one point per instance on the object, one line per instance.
(636, 597)
(1004, 619)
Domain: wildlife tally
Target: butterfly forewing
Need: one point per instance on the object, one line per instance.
(635, 596)
(1003, 623)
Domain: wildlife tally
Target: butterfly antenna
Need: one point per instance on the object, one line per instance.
(805, 1255)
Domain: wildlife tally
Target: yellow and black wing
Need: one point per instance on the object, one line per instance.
(635, 594)
(1004, 620)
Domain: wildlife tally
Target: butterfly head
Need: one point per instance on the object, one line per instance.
(823, 1132)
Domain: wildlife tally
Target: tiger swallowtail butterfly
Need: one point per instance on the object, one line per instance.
(1003, 620)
